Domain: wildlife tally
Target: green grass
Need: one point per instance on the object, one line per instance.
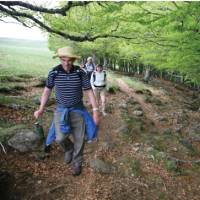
(133, 83)
(6, 100)
(130, 81)
(24, 57)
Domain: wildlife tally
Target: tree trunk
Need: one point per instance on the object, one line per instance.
(147, 74)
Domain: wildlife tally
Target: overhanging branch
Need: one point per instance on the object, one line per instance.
(16, 14)
(61, 11)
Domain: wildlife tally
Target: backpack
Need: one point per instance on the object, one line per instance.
(94, 75)
(85, 67)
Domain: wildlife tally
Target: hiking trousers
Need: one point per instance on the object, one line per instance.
(76, 145)
(100, 94)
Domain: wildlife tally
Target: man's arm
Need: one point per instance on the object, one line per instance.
(94, 106)
(44, 99)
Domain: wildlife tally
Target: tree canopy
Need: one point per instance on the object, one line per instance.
(165, 35)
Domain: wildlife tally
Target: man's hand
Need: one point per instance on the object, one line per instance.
(38, 113)
(96, 117)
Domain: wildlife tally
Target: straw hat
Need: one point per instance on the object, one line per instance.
(66, 52)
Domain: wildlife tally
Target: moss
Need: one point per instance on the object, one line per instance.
(7, 132)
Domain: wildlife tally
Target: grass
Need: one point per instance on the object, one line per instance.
(7, 100)
(130, 81)
(24, 57)
(133, 83)
(135, 167)
(112, 79)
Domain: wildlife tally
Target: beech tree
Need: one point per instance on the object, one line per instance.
(165, 35)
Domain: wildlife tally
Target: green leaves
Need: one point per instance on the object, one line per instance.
(164, 34)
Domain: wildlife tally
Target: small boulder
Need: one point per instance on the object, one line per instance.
(25, 141)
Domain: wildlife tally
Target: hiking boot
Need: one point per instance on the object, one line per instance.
(47, 148)
(68, 157)
(76, 170)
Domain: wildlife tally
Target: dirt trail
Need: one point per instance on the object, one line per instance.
(148, 109)
(136, 175)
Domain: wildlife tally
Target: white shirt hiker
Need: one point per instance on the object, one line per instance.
(98, 82)
(98, 79)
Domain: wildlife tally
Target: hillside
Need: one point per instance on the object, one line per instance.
(153, 153)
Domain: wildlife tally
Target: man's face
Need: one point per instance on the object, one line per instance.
(67, 62)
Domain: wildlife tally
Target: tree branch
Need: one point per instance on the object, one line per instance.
(16, 14)
(61, 11)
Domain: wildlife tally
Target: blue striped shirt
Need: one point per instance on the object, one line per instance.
(68, 85)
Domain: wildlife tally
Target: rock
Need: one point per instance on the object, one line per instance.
(149, 149)
(131, 101)
(137, 107)
(7, 131)
(137, 144)
(123, 105)
(122, 129)
(25, 141)
(136, 149)
(195, 105)
(147, 92)
(162, 119)
(167, 131)
(195, 129)
(178, 128)
(138, 113)
(105, 146)
(100, 166)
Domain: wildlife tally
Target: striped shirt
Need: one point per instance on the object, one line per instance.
(68, 85)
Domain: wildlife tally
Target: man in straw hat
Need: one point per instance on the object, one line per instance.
(70, 115)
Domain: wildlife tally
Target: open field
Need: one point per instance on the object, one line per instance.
(22, 57)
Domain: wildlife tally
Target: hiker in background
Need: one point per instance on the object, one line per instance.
(98, 82)
(70, 115)
(89, 66)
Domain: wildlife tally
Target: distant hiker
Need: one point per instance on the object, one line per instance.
(70, 115)
(98, 82)
(89, 66)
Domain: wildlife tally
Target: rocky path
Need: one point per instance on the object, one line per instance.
(127, 162)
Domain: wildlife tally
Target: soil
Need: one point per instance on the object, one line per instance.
(137, 174)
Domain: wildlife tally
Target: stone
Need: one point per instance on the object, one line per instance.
(138, 113)
(122, 129)
(123, 105)
(167, 131)
(25, 141)
(101, 166)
